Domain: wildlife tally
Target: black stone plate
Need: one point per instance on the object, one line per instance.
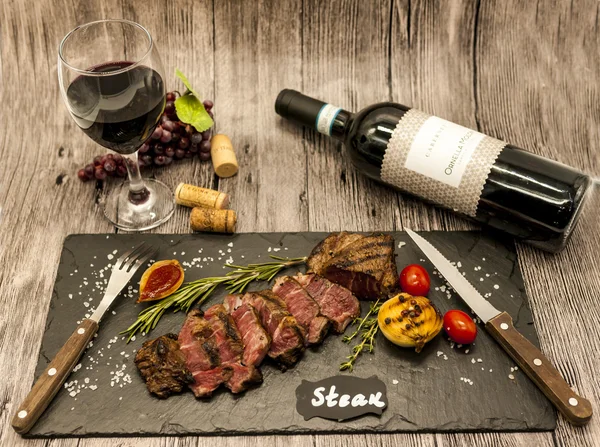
(425, 391)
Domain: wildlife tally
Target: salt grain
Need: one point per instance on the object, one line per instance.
(511, 377)
(395, 382)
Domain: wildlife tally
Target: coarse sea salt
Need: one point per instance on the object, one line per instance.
(395, 382)
(401, 244)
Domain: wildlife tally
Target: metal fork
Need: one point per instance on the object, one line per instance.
(52, 379)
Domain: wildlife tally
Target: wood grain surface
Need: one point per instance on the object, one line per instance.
(527, 72)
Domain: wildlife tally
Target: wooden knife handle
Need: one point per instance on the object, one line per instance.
(539, 369)
(48, 384)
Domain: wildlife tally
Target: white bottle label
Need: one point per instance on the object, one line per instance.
(442, 150)
(326, 117)
(439, 161)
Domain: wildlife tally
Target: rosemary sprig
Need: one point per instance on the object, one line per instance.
(200, 290)
(367, 328)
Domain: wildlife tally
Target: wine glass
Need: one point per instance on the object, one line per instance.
(112, 81)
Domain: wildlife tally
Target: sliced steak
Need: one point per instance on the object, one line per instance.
(336, 302)
(162, 366)
(364, 264)
(256, 340)
(231, 349)
(232, 302)
(201, 352)
(302, 306)
(287, 340)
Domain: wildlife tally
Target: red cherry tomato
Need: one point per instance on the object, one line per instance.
(414, 279)
(460, 327)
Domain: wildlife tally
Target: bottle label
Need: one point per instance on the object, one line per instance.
(325, 118)
(439, 161)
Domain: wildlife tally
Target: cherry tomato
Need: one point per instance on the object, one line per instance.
(460, 327)
(414, 279)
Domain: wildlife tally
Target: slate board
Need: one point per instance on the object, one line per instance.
(425, 391)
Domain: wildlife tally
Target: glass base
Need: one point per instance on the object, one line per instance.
(139, 211)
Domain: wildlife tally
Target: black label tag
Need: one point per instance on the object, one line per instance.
(341, 397)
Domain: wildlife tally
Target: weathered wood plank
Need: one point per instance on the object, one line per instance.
(269, 190)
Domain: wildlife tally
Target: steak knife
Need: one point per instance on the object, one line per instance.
(499, 324)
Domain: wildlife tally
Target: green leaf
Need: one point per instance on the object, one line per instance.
(185, 81)
(191, 111)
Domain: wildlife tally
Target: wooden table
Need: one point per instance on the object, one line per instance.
(526, 72)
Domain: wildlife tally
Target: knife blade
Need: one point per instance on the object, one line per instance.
(538, 368)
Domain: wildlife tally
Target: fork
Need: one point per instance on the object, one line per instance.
(53, 378)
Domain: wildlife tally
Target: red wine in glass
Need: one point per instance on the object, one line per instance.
(121, 110)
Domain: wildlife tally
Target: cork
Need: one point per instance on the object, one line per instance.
(212, 220)
(192, 196)
(223, 156)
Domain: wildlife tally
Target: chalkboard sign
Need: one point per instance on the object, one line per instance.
(341, 397)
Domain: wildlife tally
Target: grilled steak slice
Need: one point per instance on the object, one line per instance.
(231, 349)
(201, 352)
(255, 338)
(336, 302)
(364, 264)
(302, 306)
(287, 340)
(162, 366)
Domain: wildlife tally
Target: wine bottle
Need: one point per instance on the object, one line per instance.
(500, 185)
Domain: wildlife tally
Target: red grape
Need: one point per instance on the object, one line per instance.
(179, 153)
(188, 154)
(204, 156)
(97, 160)
(184, 143)
(168, 125)
(211, 114)
(169, 151)
(196, 138)
(206, 135)
(82, 175)
(208, 104)
(205, 146)
(193, 148)
(170, 107)
(176, 126)
(89, 170)
(164, 119)
(170, 96)
(122, 170)
(100, 173)
(110, 166)
(146, 159)
(118, 158)
(159, 160)
(166, 136)
(175, 136)
(168, 161)
(157, 133)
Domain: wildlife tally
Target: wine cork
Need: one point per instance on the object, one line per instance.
(212, 220)
(223, 156)
(192, 196)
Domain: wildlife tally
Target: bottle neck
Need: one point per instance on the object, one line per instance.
(325, 118)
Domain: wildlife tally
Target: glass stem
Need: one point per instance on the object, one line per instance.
(138, 193)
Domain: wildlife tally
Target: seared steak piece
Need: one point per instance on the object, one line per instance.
(231, 349)
(302, 306)
(255, 338)
(287, 340)
(162, 366)
(364, 264)
(336, 302)
(202, 355)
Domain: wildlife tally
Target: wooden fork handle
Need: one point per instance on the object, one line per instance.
(575, 408)
(48, 384)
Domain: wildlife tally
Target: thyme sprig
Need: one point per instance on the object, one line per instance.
(197, 292)
(367, 329)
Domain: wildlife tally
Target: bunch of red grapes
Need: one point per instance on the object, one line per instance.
(171, 140)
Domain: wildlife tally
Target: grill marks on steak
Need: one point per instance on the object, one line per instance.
(336, 302)
(231, 349)
(287, 339)
(364, 264)
(162, 366)
(302, 306)
(201, 351)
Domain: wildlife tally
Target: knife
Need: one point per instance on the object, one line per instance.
(499, 324)
(55, 374)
